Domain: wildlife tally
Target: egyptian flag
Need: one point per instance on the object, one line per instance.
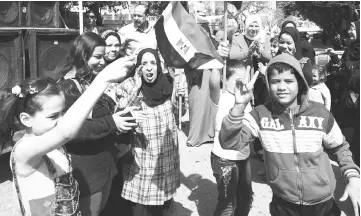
(182, 42)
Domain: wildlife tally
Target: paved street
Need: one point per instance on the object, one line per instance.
(197, 194)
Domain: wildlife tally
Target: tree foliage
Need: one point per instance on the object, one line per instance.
(327, 15)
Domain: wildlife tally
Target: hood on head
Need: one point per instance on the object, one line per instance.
(295, 64)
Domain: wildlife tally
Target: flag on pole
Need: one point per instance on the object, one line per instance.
(183, 42)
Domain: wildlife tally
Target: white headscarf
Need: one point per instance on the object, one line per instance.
(249, 20)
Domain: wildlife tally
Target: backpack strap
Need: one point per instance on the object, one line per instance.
(17, 188)
(81, 92)
(78, 85)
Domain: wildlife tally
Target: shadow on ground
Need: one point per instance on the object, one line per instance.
(203, 190)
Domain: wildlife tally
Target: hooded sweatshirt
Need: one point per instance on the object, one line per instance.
(295, 143)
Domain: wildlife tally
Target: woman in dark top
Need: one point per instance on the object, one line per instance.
(93, 165)
(289, 42)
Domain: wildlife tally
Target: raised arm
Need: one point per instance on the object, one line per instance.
(66, 129)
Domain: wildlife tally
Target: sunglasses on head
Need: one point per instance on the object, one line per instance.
(38, 86)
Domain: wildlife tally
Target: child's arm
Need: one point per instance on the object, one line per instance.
(238, 128)
(336, 144)
(66, 129)
(326, 96)
(215, 85)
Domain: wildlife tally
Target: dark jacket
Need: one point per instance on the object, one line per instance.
(93, 147)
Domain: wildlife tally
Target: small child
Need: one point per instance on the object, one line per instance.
(42, 171)
(274, 46)
(232, 169)
(296, 134)
(319, 91)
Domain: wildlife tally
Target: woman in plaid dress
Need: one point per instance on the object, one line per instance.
(153, 177)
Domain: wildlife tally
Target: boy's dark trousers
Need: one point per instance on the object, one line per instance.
(234, 186)
(281, 207)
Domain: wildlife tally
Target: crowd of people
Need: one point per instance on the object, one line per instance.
(102, 139)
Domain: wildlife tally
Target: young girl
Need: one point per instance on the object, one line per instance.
(232, 169)
(41, 168)
(93, 148)
(319, 91)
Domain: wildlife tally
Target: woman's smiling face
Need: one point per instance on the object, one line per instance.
(96, 62)
(149, 69)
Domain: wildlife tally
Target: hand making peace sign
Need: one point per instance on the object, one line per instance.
(243, 91)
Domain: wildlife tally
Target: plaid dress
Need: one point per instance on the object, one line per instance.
(154, 175)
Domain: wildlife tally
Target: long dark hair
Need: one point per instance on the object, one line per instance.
(28, 99)
(80, 53)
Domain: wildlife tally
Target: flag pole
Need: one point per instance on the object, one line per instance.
(180, 102)
(81, 23)
(225, 39)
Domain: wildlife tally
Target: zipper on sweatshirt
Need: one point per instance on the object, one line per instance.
(296, 159)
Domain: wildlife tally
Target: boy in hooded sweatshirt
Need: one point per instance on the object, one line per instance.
(296, 134)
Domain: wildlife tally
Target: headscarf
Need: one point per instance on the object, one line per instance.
(108, 33)
(251, 19)
(161, 89)
(287, 22)
(295, 34)
(355, 46)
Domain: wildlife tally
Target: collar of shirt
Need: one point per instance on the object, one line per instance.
(95, 30)
(145, 30)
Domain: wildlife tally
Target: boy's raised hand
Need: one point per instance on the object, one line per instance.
(352, 191)
(243, 91)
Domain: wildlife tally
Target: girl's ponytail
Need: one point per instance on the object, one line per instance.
(10, 100)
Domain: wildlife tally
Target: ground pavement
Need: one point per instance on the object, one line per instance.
(197, 194)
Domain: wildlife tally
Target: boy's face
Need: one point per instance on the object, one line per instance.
(284, 88)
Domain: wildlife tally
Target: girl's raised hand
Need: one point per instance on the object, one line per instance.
(118, 70)
(243, 91)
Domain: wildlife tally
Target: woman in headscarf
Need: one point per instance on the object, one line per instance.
(253, 46)
(202, 110)
(115, 202)
(152, 178)
(289, 42)
(347, 113)
(113, 42)
(305, 47)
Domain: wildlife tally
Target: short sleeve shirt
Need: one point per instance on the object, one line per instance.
(145, 38)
